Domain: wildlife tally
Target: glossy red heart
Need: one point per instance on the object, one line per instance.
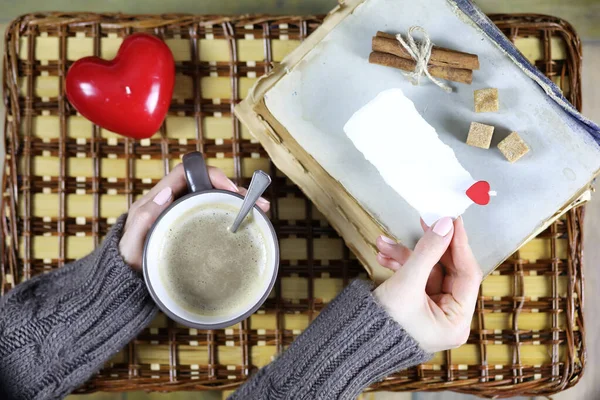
(479, 192)
(129, 94)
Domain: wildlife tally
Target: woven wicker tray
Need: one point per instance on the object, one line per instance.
(66, 181)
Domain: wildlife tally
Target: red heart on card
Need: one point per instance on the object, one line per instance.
(129, 94)
(479, 192)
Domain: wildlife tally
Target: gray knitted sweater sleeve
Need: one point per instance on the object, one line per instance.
(350, 345)
(57, 329)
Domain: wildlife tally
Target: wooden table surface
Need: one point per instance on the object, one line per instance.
(583, 14)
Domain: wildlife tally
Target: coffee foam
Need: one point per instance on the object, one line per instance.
(207, 269)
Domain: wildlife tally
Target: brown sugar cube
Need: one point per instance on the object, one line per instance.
(513, 147)
(480, 135)
(486, 100)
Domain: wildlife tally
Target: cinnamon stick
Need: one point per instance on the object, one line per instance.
(460, 75)
(387, 43)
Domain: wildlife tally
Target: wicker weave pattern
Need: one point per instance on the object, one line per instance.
(67, 180)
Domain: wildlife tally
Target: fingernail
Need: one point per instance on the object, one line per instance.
(262, 200)
(163, 196)
(234, 187)
(443, 226)
(388, 240)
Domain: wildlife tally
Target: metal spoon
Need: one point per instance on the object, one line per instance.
(259, 183)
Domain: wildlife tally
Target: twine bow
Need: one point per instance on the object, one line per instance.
(421, 53)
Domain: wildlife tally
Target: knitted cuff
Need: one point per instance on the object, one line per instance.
(57, 329)
(350, 345)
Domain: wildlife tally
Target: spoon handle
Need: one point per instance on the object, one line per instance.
(259, 183)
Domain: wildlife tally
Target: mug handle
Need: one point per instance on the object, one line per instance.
(196, 172)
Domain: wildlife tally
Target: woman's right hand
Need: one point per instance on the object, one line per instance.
(434, 289)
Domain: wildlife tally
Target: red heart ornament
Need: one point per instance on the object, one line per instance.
(129, 94)
(479, 192)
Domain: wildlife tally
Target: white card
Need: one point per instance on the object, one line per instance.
(409, 155)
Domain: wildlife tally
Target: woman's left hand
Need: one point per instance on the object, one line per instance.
(146, 210)
(435, 287)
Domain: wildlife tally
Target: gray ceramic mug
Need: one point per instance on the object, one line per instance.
(201, 193)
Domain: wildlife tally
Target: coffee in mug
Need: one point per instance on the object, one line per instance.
(208, 269)
(198, 272)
